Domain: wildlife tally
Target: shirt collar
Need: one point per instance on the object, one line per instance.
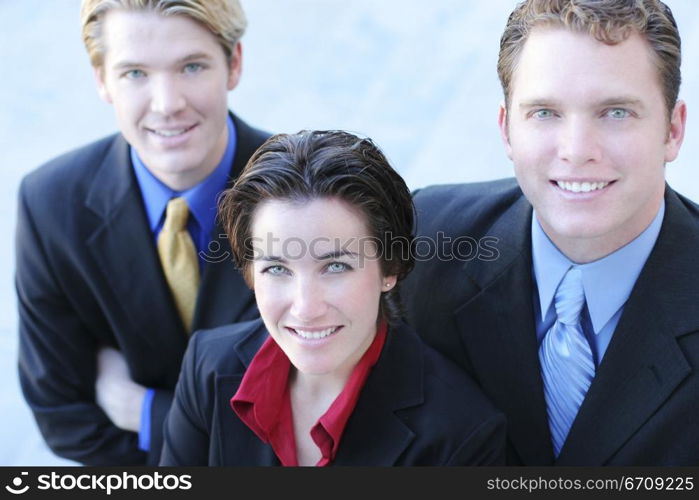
(607, 282)
(201, 199)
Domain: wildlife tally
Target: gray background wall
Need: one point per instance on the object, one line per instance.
(418, 77)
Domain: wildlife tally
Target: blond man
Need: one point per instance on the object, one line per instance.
(119, 256)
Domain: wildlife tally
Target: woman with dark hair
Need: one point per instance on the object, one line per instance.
(321, 227)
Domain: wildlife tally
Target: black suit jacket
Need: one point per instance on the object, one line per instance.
(642, 405)
(87, 275)
(416, 408)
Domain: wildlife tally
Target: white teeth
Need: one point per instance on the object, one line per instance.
(315, 335)
(170, 133)
(581, 187)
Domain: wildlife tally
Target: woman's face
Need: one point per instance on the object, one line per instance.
(317, 280)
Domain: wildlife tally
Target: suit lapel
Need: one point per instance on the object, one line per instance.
(223, 296)
(239, 444)
(644, 363)
(375, 435)
(498, 332)
(123, 248)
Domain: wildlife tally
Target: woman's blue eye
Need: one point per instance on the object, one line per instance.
(337, 267)
(275, 270)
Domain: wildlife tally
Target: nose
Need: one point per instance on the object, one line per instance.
(579, 142)
(166, 96)
(308, 302)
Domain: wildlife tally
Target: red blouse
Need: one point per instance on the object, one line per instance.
(263, 402)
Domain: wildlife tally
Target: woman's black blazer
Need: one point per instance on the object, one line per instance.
(416, 408)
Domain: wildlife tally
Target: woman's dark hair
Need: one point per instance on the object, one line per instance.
(326, 164)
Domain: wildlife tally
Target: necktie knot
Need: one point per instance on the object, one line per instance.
(176, 215)
(570, 297)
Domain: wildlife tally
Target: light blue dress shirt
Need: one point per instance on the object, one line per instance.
(607, 283)
(202, 200)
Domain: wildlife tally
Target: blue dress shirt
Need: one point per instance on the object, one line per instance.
(202, 200)
(607, 283)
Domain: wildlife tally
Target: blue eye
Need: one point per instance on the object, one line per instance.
(617, 113)
(193, 68)
(134, 74)
(543, 114)
(275, 270)
(338, 267)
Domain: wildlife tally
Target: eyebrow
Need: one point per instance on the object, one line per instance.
(622, 101)
(536, 103)
(611, 101)
(196, 56)
(336, 254)
(269, 258)
(127, 65)
(326, 256)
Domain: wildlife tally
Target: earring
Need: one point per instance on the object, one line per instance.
(387, 285)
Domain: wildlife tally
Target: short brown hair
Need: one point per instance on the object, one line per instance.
(326, 164)
(224, 18)
(609, 21)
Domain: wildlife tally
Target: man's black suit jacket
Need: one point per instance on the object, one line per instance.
(88, 275)
(416, 408)
(642, 405)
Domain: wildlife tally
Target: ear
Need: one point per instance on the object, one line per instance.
(504, 132)
(236, 66)
(101, 85)
(675, 133)
(388, 282)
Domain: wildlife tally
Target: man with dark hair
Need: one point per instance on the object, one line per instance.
(119, 256)
(584, 328)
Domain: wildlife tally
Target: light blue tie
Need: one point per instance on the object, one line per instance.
(566, 360)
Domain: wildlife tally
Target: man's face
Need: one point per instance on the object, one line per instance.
(168, 79)
(588, 134)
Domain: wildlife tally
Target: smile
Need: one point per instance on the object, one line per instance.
(315, 334)
(581, 187)
(170, 132)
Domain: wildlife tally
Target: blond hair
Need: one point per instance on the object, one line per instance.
(224, 18)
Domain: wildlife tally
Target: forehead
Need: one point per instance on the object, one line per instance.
(323, 221)
(145, 35)
(556, 60)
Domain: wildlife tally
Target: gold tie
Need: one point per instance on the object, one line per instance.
(179, 259)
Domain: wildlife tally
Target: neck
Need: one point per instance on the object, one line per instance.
(186, 180)
(582, 250)
(318, 387)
